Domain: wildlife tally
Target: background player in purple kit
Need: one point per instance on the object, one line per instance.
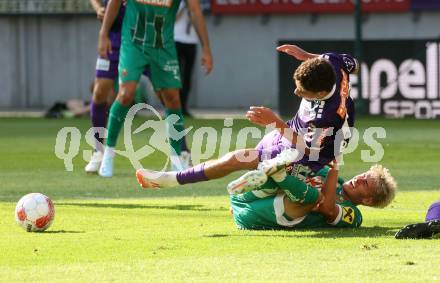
(326, 110)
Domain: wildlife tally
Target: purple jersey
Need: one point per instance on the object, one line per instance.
(318, 121)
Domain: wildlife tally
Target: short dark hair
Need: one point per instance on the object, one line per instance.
(316, 74)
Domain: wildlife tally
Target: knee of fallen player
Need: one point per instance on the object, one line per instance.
(243, 159)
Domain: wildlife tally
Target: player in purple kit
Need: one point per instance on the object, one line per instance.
(321, 126)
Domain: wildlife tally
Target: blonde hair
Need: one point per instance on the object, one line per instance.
(386, 186)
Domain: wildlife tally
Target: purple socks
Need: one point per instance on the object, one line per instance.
(98, 114)
(192, 175)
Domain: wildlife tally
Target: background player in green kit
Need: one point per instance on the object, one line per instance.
(286, 201)
(148, 41)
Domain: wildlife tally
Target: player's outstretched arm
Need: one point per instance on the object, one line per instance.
(99, 9)
(104, 45)
(198, 21)
(297, 52)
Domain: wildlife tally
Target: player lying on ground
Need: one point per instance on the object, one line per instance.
(285, 201)
(326, 110)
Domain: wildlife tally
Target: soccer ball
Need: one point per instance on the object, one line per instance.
(34, 212)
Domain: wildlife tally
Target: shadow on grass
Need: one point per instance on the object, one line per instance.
(193, 207)
(363, 232)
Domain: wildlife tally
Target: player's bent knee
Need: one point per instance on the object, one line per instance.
(246, 159)
(242, 159)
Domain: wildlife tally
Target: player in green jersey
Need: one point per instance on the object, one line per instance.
(148, 40)
(285, 201)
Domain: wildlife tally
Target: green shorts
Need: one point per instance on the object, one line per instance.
(163, 64)
(262, 214)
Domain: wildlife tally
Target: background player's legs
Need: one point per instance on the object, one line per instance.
(187, 55)
(103, 95)
(102, 91)
(171, 100)
(119, 110)
(116, 119)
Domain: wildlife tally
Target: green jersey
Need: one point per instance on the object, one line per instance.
(150, 23)
(261, 209)
(349, 215)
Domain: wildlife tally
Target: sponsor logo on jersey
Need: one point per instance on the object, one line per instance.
(348, 214)
(160, 3)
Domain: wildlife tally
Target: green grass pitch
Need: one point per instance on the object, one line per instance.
(111, 230)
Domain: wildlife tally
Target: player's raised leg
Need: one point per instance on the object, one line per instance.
(244, 159)
(274, 167)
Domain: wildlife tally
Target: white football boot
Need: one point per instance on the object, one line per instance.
(281, 161)
(94, 163)
(106, 169)
(155, 179)
(247, 182)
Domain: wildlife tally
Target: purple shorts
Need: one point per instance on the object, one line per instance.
(273, 143)
(108, 68)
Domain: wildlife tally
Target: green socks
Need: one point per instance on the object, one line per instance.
(116, 119)
(178, 126)
(298, 191)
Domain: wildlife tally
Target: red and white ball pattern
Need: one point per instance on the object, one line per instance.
(34, 212)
